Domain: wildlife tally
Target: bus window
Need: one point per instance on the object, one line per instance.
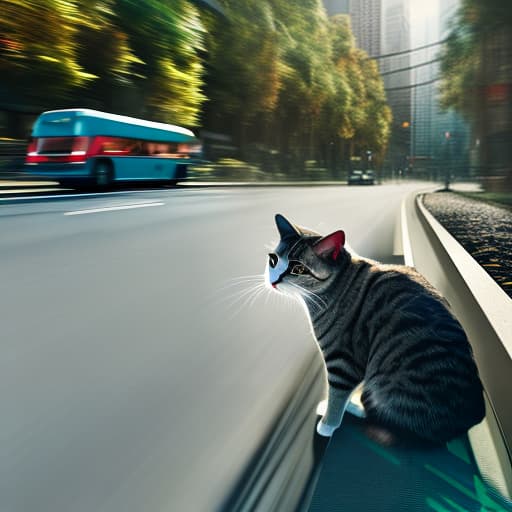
(62, 145)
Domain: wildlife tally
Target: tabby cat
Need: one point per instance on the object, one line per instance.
(383, 326)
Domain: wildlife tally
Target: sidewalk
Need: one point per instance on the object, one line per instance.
(466, 187)
(22, 183)
(15, 183)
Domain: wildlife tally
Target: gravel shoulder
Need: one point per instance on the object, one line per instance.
(483, 229)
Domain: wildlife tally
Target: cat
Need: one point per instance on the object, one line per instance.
(382, 327)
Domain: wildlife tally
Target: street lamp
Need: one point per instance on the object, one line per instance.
(447, 137)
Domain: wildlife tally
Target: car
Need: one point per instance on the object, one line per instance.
(359, 177)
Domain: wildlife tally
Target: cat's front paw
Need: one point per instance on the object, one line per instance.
(321, 408)
(325, 430)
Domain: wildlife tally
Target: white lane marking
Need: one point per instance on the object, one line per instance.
(80, 196)
(406, 242)
(28, 198)
(113, 208)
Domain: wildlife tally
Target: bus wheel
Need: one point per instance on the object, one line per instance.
(103, 175)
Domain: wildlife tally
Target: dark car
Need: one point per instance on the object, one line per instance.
(358, 177)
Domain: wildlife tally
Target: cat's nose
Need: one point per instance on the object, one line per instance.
(272, 260)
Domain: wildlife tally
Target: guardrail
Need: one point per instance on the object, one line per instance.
(485, 312)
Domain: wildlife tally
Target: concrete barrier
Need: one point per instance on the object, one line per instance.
(485, 312)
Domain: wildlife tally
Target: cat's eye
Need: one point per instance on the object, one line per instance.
(272, 260)
(298, 269)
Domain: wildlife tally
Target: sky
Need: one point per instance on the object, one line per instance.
(423, 9)
(422, 30)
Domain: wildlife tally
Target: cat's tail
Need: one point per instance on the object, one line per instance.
(375, 432)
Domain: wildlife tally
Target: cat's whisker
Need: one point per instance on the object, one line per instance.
(257, 294)
(240, 295)
(251, 299)
(238, 305)
(246, 291)
(241, 278)
(316, 301)
(292, 295)
(247, 297)
(231, 284)
(231, 296)
(241, 283)
(268, 296)
(309, 295)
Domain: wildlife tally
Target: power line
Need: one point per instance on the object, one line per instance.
(377, 57)
(412, 86)
(411, 67)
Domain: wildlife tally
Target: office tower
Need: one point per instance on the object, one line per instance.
(366, 24)
(426, 70)
(334, 7)
(395, 39)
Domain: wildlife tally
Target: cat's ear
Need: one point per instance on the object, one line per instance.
(285, 227)
(330, 245)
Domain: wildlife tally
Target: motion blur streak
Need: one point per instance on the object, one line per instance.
(126, 381)
(114, 208)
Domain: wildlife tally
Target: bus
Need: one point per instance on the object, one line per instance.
(87, 147)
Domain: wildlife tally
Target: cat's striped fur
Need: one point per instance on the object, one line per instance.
(384, 325)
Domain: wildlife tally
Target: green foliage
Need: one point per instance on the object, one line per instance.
(244, 62)
(291, 79)
(38, 46)
(167, 39)
(476, 25)
(375, 131)
(97, 49)
(104, 51)
(283, 79)
(460, 64)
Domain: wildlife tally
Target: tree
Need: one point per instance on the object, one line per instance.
(359, 114)
(308, 81)
(244, 67)
(99, 50)
(477, 80)
(167, 39)
(38, 46)
(374, 133)
(292, 81)
(104, 51)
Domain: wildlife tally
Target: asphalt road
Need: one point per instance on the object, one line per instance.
(136, 372)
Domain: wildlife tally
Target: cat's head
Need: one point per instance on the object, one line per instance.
(303, 259)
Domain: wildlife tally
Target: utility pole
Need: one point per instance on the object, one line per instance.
(447, 167)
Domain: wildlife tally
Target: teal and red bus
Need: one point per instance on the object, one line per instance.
(83, 146)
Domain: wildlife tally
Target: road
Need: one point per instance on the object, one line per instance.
(136, 373)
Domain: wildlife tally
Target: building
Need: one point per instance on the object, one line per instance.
(424, 75)
(334, 7)
(366, 24)
(382, 27)
(395, 43)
